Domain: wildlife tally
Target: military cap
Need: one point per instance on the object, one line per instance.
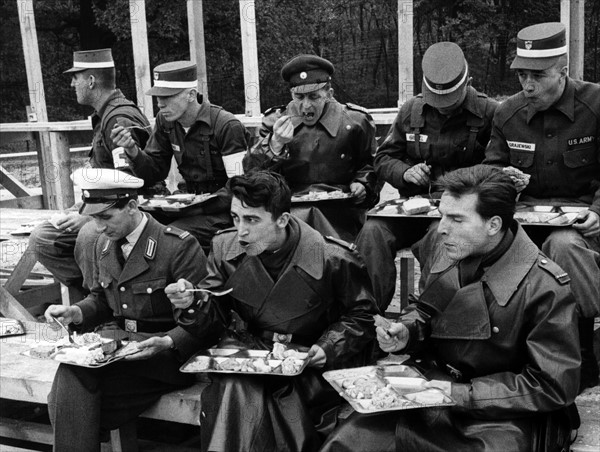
(307, 73)
(445, 73)
(540, 46)
(172, 78)
(91, 59)
(101, 188)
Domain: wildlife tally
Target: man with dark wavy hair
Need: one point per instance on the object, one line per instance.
(493, 328)
(289, 285)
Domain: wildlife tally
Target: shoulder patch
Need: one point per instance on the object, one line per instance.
(279, 108)
(551, 267)
(343, 243)
(171, 230)
(223, 231)
(150, 250)
(357, 108)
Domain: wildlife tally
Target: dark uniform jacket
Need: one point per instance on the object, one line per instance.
(322, 296)
(103, 121)
(161, 256)
(558, 147)
(198, 152)
(420, 133)
(506, 339)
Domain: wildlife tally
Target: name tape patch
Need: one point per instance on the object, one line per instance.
(175, 147)
(581, 140)
(530, 147)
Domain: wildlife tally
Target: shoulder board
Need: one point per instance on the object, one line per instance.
(171, 230)
(357, 108)
(343, 243)
(268, 111)
(482, 95)
(223, 231)
(551, 267)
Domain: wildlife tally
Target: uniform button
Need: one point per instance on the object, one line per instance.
(191, 311)
(342, 156)
(549, 162)
(122, 289)
(584, 160)
(124, 306)
(544, 261)
(496, 329)
(549, 135)
(348, 127)
(169, 229)
(519, 162)
(149, 290)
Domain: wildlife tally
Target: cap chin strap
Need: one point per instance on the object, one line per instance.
(451, 89)
(541, 53)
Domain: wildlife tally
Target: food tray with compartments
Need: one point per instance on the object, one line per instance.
(248, 362)
(547, 215)
(377, 389)
(175, 203)
(321, 196)
(394, 208)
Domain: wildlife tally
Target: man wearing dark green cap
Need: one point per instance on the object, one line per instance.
(445, 127)
(550, 131)
(136, 258)
(198, 134)
(320, 145)
(63, 245)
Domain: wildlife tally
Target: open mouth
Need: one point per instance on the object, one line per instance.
(243, 243)
(309, 116)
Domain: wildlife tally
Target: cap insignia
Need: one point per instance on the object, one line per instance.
(528, 45)
(86, 194)
(439, 87)
(303, 75)
(156, 75)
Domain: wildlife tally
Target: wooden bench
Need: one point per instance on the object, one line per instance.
(30, 380)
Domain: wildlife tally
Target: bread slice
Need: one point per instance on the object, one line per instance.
(416, 206)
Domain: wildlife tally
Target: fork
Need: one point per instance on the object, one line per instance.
(216, 294)
(69, 333)
(139, 127)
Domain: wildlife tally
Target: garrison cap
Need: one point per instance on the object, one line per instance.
(91, 59)
(172, 78)
(445, 73)
(101, 188)
(307, 73)
(540, 46)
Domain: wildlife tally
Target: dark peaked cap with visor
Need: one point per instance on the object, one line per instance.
(102, 188)
(91, 59)
(307, 73)
(540, 46)
(445, 74)
(172, 78)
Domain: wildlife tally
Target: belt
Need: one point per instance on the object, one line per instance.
(141, 326)
(284, 338)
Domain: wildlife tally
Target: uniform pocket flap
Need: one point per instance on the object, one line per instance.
(149, 286)
(579, 157)
(521, 159)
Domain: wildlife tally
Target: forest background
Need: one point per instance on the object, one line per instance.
(359, 36)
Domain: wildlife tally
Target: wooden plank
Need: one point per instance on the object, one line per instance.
(21, 272)
(10, 307)
(250, 57)
(12, 184)
(141, 58)
(195, 16)
(29, 202)
(57, 170)
(25, 431)
(405, 51)
(46, 126)
(572, 16)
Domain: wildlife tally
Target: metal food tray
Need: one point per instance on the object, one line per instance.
(393, 208)
(302, 199)
(547, 215)
(404, 381)
(210, 359)
(11, 327)
(108, 359)
(166, 204)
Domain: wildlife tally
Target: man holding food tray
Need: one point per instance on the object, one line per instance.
(62, 244)
(445, 127)
(135, 259)
(320, 146)
(492, 328)
(289, 285)
(199, 135)
(547, 138)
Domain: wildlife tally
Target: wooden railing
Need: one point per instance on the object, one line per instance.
(54, 157)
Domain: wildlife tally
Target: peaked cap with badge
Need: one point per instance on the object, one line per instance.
(172, 78)
(91, 59)
(307, 73)
(445, 74)
(540, 46)
(102, 188)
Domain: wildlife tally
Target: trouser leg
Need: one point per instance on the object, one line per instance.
(85, 247)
